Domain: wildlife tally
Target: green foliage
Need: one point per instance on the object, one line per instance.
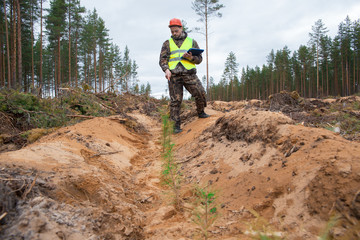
(350, 124)
(170, 173)
(348, 120)
(261, 229)
(356, 106)
(326, 66)
(19, 102)
(34, 112)
(206, 9)
(330, 224)
(85, 104)
(55, 21)
(206, 209)
(230, 74)
(30, 111)
(34, 134)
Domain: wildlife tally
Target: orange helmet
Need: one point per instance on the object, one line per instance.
(175, 22)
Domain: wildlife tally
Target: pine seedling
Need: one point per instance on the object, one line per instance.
(261, 229)
(330, 224)
(205, 212)
(170, 170)
(167, 130)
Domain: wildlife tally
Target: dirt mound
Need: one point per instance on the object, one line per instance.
(290, 174)
(92, 192)
(10, 138)
(284, 102)
(249, 126)
(100, 179)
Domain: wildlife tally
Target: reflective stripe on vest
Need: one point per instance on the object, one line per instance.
(176, 54)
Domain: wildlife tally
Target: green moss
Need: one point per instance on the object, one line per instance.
(35, 134)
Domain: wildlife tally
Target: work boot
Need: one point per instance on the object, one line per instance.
(203, 115)
(177, 129)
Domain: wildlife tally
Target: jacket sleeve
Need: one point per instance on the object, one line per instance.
(164, 56)
(197, 59)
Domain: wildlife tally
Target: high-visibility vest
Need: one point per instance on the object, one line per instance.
(176, 54)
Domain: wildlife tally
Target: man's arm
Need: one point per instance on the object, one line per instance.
(164, 56)
(196, 59)
(164, 59)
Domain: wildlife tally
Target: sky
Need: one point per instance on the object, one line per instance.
(250, 29)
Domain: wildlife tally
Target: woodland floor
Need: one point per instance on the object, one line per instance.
(275, 167)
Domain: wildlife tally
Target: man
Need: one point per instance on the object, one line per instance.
(180, 71)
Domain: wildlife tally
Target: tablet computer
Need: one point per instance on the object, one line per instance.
(195, 51)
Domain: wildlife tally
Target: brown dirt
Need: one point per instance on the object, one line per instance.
(100, 180)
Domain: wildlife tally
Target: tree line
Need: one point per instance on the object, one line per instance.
(323, 67)
(43, 50)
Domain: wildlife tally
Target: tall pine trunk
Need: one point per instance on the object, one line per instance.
(70, 81)
(317, 70)
(7, 47)
(2, 66)
(336, 80)
(342, 76)
(13, 52)
(95, 85)
(41, 47)
(327, 79)
(309, 90)
(100, 74)
(76, 58)
(354, 75)
(301, 84)
(85, 68)
(58, 65)
(19, 51)
(207, 52)
(32, 50)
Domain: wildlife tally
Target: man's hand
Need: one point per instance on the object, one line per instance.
(167, 74)
(188, 56)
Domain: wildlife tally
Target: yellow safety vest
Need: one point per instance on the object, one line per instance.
(176, 54)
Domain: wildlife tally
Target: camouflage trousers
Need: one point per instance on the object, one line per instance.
(193, 86)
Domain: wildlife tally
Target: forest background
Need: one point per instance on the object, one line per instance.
(75, 50)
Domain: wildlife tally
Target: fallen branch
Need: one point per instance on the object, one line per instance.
(81, 116)
(11, 179)
(121, 120)
(116, 81)
(108, 107)
(29, 189)
(3, 215)
(106, 153)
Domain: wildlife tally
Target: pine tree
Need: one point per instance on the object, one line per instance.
(55, 24)
(271, 62)
(77, 23)
(7, 47)
(148, 89)
(304, 58)
(325, 46)
(41, 46)
(345, 48)
(103, 44)
(207, 9)
(230, 72)
(316, 37)
(126, 70)
(19, 47)
(356, 44)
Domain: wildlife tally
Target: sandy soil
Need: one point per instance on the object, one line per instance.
(99, 180)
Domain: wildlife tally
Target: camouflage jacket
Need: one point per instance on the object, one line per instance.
(165, 55)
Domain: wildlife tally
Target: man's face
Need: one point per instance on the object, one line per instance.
(176, 31)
